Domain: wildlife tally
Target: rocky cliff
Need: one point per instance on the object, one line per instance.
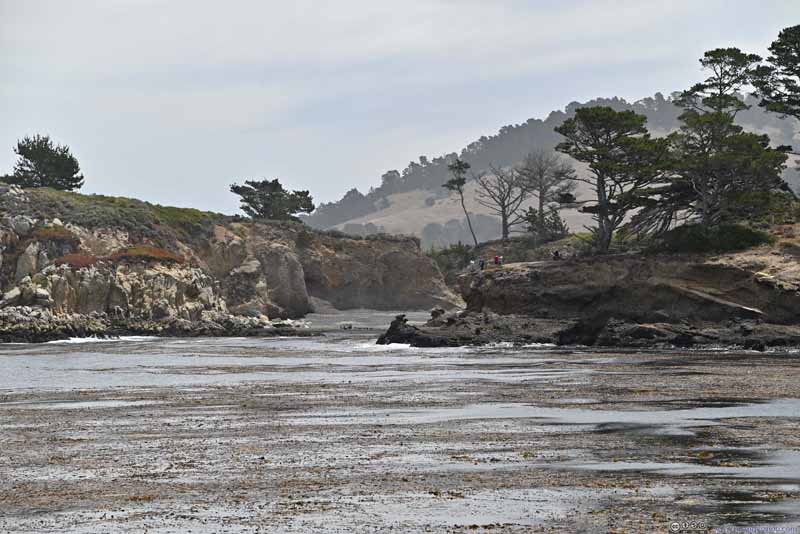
(750, 298)
(635, 288)
(124, 261)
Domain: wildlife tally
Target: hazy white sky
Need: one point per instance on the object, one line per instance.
(171, 101)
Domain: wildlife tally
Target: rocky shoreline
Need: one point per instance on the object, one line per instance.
(74, 265)
(475, 329)
(749, 300)
(28, 325)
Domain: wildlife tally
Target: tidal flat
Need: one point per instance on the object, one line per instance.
(336, 434)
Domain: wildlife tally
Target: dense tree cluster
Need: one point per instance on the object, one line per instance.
(715, 168)
(708, 171)
(512, 143)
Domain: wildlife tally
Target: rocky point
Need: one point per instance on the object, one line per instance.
(76, 265)
(749, 299)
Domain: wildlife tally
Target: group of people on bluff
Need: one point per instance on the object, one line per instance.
(500, 260)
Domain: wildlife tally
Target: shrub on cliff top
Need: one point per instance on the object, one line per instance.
(304, 239)
(145, 254)
(698, 239)
(267, 199)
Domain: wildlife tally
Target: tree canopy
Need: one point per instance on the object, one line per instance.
(714, 162)
(622, 158)
(42, 163)
(731, 70)
(551, 180)
(267, 199)
(458, 169)
(778, 81)
(503, 191)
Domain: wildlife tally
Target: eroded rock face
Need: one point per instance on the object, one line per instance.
(253, 271)
(260, 272)
(631, 288)
(134, 291)
(272, 270)
(384, 275)
(625, 301)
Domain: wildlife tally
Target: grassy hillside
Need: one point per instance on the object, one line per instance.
(161, 223)
(401, 202)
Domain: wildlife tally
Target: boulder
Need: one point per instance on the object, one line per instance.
(28, 261)
(401, 332)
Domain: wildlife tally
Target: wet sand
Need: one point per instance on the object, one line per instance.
(338, 435)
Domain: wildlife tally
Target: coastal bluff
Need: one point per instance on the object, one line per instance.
(749, 298)
(73, 264)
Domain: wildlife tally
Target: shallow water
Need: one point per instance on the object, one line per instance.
(179, 362)
(335, 432)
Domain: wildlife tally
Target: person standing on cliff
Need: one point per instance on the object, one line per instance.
(482, 264)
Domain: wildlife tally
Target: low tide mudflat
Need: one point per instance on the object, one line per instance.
(335, 434)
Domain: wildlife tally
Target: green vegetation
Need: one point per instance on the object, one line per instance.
(545, 226)
(268, 200)
(452, 260)
(714, 163)
(766, 208)
(622, 158)
(42, 163)
(144, 253)
(778, 81)
(459, 169)
(698, 239)
(135, 216)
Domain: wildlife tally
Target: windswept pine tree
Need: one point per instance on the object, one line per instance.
(267, 199)
(43, 163)
(715, 164)
(623, 161)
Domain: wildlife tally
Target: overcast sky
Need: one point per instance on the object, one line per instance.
(171, 101)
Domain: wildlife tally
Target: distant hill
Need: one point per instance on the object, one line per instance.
(413, 201)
